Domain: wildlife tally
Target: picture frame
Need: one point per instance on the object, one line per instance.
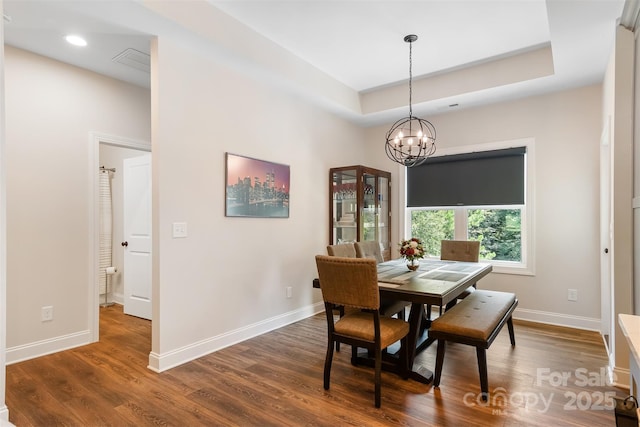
(256, 188)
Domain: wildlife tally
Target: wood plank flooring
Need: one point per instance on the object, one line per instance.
(276, 380)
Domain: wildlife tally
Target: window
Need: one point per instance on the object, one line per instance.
(480, 195)
(498, 229)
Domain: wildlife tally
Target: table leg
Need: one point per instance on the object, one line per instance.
(417, 373)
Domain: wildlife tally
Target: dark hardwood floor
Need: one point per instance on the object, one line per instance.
(276, 379)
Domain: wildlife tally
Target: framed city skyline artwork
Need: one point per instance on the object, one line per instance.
(256, 188)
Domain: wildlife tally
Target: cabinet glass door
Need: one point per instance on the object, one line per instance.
(345, 206)
(370, 211)
(383, 219)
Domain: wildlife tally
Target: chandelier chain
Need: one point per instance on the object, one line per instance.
(410, 79)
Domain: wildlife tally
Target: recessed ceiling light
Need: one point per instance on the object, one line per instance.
(75, 40)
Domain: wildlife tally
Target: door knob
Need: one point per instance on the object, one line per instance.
(125, 244)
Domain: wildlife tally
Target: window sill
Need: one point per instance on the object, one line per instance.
(505, 269)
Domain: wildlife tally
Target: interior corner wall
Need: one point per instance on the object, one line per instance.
(566, 129)
(636, 176)
(227, 280)
(51, 108)
(622, 191)
(4, 411)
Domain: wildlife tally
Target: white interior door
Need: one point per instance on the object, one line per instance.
(137, 234)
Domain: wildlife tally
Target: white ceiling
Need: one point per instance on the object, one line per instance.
(357, 42)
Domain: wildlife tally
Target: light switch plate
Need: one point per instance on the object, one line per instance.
(179, 229)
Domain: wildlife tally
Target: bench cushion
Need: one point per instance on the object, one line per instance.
(474, 317)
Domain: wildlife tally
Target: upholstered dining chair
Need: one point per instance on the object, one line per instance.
(346, 250)
(371, 249)
(460, 250)
(353, 283)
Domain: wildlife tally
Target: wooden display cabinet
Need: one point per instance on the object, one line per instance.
(360, 200)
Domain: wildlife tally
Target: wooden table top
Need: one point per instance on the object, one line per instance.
(435, 282)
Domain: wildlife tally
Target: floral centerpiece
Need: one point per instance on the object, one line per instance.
(412, 250)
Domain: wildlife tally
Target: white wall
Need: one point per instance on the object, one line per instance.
(112, 157)
(566, 127)
(4, 412)
(636, 168)
(51, 108)
(227, 279)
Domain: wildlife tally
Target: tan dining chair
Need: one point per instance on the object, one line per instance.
(353, 282)
(371, 249)
(346, 250)
(460, 250)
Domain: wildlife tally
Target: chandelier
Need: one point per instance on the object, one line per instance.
(411, 140)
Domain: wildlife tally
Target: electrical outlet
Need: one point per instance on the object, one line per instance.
(572, 295)
(47, 313)
(289, 291)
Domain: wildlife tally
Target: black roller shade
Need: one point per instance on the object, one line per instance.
(472, 179)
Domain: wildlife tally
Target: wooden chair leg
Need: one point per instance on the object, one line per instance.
(439, 362)
(354, 355)
(404, 357)
(378, 363)
(341, 311)
(426, 319)
(512, 335)
(482, 367)
(327, 364)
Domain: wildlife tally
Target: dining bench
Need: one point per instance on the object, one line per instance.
(475, 321)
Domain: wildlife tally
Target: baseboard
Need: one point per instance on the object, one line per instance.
(171, 359)
(4, 417)
(558, 319)
(114, 297)
(48, 346)
(118, 298)
(621, 378)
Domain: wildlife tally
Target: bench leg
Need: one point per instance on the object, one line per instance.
(439, 362)
(512, 335)
(482, 366)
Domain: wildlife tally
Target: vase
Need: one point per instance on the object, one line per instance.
(413, 265)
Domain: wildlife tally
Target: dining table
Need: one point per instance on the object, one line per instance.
(435, 282)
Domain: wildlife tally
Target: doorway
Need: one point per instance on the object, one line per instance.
(110, 152)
